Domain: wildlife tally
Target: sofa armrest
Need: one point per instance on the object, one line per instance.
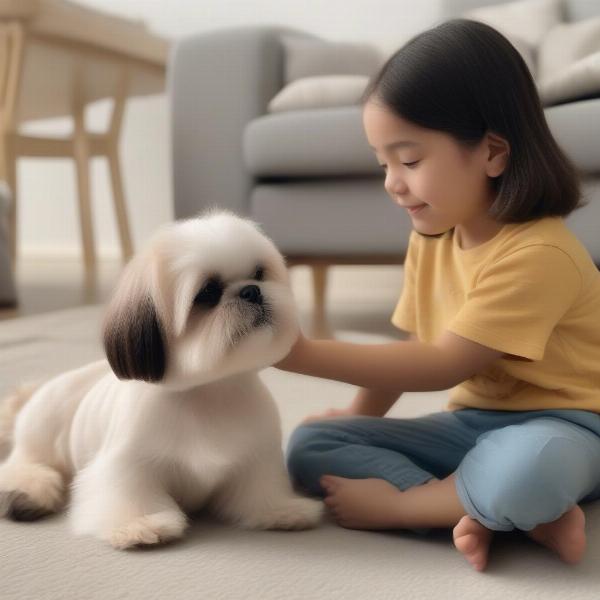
(218, 82)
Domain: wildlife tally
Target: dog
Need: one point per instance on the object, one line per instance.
(175, 419)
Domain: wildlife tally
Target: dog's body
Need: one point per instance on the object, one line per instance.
(138, 456)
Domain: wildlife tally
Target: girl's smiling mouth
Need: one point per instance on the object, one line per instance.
(414, 208)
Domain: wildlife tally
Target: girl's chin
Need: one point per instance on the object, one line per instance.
(429, 229)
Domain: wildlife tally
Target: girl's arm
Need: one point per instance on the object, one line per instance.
(368, 402)
(375, 402)
(410, 366)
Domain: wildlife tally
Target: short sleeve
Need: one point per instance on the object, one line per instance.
(405, 314)
(518, 301)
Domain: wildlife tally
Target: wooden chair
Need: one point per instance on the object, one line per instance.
(56, 58)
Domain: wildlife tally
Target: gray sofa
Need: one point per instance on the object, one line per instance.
(309, 176)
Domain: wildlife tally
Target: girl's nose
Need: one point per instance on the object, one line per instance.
(395, 185)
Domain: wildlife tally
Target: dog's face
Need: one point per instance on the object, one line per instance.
(208, 297)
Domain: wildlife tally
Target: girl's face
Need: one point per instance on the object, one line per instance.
(440, 183)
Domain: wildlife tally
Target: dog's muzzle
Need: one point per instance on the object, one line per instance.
(251, 293)
(253, 296)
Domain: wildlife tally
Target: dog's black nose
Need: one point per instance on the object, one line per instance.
(251, 293)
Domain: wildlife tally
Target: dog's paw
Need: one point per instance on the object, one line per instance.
(149, 530)
(30, 491)
(18, 506)
(295, 513)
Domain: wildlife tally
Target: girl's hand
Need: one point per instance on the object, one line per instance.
(293, 360)
(332, 413)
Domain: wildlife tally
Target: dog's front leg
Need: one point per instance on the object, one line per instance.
(125, 504)
(260, 496)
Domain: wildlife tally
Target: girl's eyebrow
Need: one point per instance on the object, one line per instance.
(399, 144)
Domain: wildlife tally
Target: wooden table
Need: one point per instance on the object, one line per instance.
(57, 57)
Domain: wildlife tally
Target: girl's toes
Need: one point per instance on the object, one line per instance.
(329, 483)
(466, 543)
(327, 480)
(330, 501)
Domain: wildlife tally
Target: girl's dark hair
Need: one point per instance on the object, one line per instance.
(465, 78)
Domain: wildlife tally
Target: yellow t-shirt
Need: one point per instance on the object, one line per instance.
(531, 291)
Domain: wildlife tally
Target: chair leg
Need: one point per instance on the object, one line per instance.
(12, 41)
(119, 202)
(8, 172)
(114, 132)
(81, 154)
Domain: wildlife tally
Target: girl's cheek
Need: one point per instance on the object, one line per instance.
(446, 180)
(427, 186)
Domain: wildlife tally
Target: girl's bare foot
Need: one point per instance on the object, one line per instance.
(362, 503)
(473, 539)
(565, 535)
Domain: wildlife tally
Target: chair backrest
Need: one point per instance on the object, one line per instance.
(574, 10)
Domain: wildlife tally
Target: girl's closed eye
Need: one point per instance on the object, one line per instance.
(410, 165)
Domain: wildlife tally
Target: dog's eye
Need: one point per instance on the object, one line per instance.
(210, 294)
(259, 275)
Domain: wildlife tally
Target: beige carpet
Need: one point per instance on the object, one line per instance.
(43, 561)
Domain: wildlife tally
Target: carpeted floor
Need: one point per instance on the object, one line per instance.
(43, 561)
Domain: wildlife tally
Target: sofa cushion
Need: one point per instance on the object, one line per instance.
(319, 92)
(527, 20)
(306, 143)
(524, 23)
(327, 217)
(569, 61)
(335, 217)
(332, 142)
(576, 128)
(306, 57)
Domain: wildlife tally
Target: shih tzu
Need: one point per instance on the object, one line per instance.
(177, 419)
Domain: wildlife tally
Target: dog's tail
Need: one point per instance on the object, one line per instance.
(10, 406)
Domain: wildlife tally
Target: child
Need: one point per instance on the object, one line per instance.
(502, 303)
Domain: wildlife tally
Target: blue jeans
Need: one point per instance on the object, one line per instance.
(513, 469)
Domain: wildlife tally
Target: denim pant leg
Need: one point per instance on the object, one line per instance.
(405, 452)
(524, 474)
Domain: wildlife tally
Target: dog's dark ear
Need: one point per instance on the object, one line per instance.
(134, 340)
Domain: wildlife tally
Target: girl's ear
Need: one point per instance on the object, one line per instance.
(498, 151)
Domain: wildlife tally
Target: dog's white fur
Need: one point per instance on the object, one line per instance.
(188, 424)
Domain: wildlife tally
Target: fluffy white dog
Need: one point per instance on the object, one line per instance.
(177, 419)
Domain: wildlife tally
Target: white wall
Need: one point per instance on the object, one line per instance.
(48, 219)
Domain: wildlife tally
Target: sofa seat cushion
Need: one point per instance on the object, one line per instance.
(576, 128)
(343, 217)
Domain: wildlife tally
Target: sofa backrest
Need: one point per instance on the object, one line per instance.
(574, 10)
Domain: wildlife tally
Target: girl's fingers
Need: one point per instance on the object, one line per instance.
(331, 412)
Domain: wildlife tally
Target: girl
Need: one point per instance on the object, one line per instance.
(503, 306)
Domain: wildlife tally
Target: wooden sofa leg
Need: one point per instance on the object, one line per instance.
(320, 328)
